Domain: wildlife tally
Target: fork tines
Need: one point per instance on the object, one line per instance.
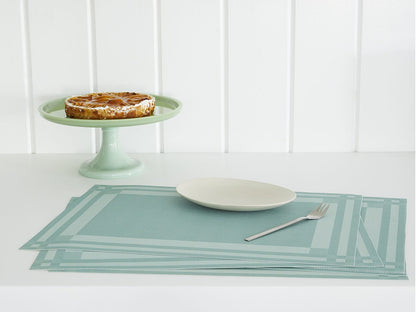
(321, 209)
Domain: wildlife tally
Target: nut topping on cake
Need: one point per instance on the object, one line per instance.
(110, 105)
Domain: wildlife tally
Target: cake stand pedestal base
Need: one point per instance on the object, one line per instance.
(111, 162)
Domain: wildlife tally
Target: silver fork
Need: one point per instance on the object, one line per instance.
(315, 214)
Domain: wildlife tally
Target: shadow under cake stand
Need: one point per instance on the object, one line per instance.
(111, 161)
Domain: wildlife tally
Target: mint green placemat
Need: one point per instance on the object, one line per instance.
(276, 272)
(366, 255)
(385, 222)
(62, 259)
(386, 219)
(156, 219)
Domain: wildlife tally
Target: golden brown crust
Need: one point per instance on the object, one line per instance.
(110, 105)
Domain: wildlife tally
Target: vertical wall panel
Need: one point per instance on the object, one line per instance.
(59, 47)
(13, 131)
(258, 75)
(387, 100)
(191, 72)
(325, 67)
(125, 59)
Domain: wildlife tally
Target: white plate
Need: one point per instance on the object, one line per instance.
(234, 194)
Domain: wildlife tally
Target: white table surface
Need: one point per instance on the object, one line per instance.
(36, 188)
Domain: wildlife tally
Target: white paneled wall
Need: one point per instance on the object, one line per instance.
(259, 66)
(125, 59)
(253, 75)
(191, 54)
(325, 65)
(14, 117)
(387, 107)
(58, 39)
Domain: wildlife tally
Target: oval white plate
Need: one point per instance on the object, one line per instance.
(235, 194)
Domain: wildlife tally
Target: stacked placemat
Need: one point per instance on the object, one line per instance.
(152, 229)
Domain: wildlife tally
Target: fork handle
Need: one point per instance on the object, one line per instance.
(274, 229)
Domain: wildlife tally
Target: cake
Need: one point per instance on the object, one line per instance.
(110, 105)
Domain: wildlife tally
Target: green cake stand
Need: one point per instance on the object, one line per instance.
(111, 162)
